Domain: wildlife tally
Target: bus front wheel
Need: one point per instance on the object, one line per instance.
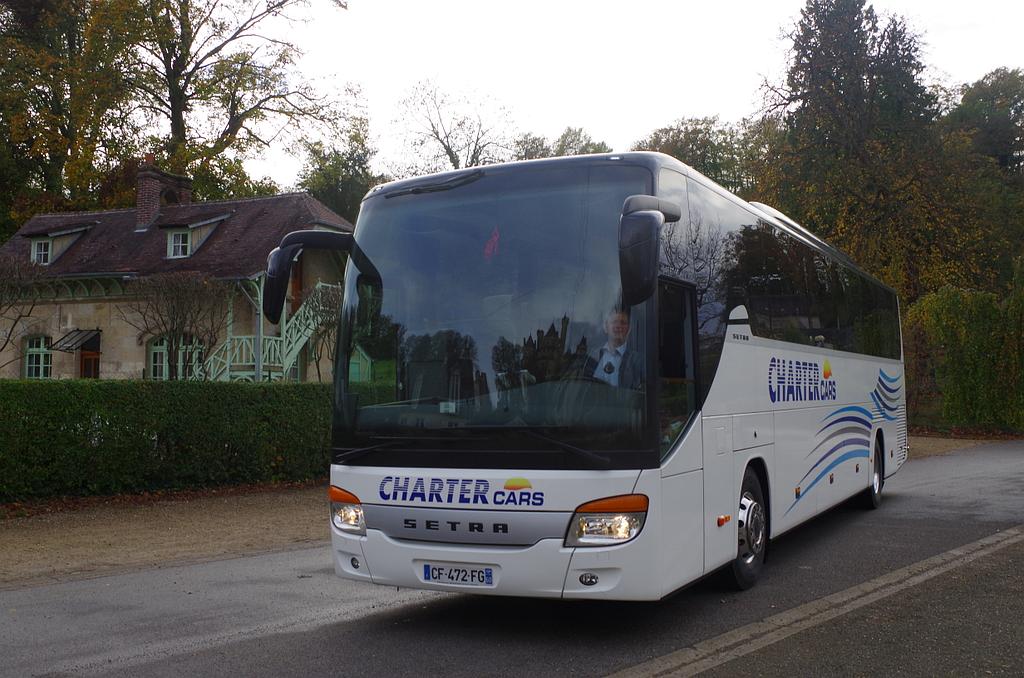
(752, 532)
(871, 498)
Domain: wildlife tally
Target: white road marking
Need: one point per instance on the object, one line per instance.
(742, 641)
(101, 664)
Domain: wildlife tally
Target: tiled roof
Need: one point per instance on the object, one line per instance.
(237, 248)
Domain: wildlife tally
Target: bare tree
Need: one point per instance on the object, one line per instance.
(214, 72)
(696, 251)
(19, 295)
(324, 302)
(447, 131)
(187, 309)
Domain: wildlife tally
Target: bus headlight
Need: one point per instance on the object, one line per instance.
(607, 522)
(346, 511)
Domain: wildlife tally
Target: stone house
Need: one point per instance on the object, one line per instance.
(78, 328)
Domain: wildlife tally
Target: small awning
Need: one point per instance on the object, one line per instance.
(88, 340)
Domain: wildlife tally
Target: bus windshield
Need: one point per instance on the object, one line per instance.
(495, 327)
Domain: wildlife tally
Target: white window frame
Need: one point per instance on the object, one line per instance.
(157, 360)
(37, 256)
(179, 244)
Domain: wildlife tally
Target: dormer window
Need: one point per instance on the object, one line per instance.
(179, 244)
(186, 233)
(41, 251)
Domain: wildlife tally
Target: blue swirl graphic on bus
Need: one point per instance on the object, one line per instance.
(846, 433)
(886, 396)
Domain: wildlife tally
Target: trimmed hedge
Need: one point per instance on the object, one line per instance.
(967, 348)
(85, 437)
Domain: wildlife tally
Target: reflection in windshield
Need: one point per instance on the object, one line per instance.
(494, 315)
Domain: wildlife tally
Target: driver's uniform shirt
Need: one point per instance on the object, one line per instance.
(609, 362)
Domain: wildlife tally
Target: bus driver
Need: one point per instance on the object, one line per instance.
(616, 364)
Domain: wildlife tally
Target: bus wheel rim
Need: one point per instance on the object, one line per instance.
(751, 528)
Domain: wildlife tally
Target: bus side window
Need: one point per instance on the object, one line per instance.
(676, 360)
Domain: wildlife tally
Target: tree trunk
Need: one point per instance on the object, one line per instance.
(177, 100)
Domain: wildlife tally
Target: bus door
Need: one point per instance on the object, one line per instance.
(677, 359)
(680, 434)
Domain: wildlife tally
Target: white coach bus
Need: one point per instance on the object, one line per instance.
(594, 377)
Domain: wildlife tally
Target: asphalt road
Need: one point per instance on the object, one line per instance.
(286, 614)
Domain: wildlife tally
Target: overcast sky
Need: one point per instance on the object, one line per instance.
(617, 69)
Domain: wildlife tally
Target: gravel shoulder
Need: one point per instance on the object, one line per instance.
(106, 539)
(926, 446)
(102, 540)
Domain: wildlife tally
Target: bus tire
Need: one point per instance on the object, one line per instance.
(752, 532)
(871, 498)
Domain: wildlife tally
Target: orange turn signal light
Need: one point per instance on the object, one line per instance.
(336, 494)
(624, 503)
(722, 520)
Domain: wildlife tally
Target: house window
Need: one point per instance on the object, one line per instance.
(178, 244)
(158, 363)
(38, 358)
(158, 359)
(41, 252)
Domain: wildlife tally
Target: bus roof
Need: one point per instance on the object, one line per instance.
(654, 161)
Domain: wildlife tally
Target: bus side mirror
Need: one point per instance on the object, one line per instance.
(638, 203)
(639, 229)
(279, 264)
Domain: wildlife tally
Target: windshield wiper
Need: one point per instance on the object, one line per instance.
(447, 185)
(578, 451)
(349, 455)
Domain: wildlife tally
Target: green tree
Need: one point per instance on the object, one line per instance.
(705, 144)
(990, 115)
(760, 143)
(339, 174)
(863, 162)
(992, 111)
(574, 141)
(65, 100)
(529, 146)
(223, 177)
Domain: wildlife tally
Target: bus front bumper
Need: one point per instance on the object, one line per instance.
(548, 569)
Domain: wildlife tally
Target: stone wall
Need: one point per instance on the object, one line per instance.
(123, 356)
(123, 353)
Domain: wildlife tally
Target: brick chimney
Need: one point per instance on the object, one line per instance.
(155, 188)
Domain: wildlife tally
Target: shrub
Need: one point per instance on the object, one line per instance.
(80, 437)
(967, 348)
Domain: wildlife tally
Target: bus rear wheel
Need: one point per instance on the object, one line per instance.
(752, 532)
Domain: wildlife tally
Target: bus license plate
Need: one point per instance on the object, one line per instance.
(463, 574)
